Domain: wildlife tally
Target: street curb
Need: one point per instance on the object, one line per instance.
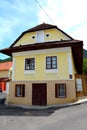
(11, 106)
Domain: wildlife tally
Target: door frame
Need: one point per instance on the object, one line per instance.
(39, 94)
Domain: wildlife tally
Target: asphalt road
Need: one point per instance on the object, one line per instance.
(71, 118)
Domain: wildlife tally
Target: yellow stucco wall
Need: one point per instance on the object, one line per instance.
(26, 39)
(54, 35)
(40, 72)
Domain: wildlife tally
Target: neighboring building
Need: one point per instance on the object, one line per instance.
(45, 61)
(5, 74)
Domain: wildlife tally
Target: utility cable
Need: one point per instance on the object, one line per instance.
(44, 11)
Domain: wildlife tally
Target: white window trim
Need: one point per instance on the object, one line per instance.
(47, 51)
(13, 69)
(7, 88)
(70, 67)
(51, 70)
(29, 71)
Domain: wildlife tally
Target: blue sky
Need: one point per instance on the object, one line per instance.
(17, 16)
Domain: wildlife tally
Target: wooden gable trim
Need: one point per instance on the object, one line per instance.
(38, 28)
(45, 45)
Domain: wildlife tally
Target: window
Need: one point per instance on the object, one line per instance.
(47, 35)
(30, 64)
(33, 37)
(70, 76)
(60, 90)
(20, 90)
(51, 62)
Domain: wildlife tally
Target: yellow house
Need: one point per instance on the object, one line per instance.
(45, 61)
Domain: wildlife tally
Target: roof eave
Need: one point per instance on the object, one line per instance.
(77, 50)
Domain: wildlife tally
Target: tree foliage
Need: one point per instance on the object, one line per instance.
(6, 60)
(84, 65)
(84, 53)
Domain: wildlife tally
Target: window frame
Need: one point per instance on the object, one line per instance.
(57, 90)
(22, 87)
(33, 37)
(26, 69)
(47, 35)
(51, 62)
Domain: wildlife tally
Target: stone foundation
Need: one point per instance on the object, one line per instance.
(51, 99)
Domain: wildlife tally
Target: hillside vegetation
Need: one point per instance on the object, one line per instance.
(84, 61)
(84, 65)
(85, 53)
(6, 60)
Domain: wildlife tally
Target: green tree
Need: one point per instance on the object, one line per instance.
(6, 60)
(84, 66)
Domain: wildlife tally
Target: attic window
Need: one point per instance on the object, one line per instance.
(47, 35)
(33, 37)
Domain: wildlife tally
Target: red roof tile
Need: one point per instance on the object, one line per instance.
(5, 65)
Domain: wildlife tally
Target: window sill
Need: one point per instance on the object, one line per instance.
(19, 96)
(29, 71)
(61, 97)
(51, 70)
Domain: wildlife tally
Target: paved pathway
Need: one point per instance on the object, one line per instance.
(2, 95)
(71, 118)
(2, 98)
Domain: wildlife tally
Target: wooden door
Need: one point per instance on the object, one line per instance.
(39, 94)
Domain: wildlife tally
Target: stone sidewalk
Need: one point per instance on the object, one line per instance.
(2, 95)
(80, 101)
(2, 98)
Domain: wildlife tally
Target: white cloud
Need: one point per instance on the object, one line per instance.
(68, 15)
(80, 33)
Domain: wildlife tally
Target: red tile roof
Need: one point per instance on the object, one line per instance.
(5, 65)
